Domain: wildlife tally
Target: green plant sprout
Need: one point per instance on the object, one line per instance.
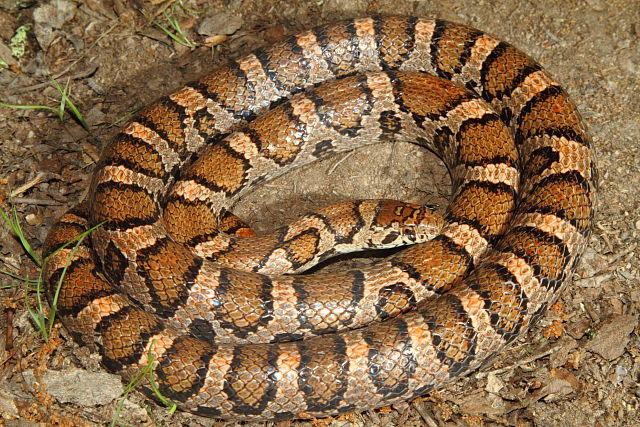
(43, 321)
(176, 32)
(123, 118)
(136, 381)
(64, 101)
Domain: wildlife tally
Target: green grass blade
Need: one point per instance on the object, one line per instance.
(124, 118)
(136, 381)
(78, 241)
(29, 107)
(175, 24)
(17, 277)
(179, 36)
(13, 222)
(66, 100)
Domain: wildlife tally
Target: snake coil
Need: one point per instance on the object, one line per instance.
(161, 276)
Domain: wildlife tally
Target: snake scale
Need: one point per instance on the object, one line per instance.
(160, 276)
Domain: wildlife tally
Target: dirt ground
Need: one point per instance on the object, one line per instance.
(580, 366)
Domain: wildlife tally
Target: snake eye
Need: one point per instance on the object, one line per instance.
(409, 233)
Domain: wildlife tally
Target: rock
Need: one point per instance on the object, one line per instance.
(8, 24)
(479, 404)
(560, 357)
(494, 384)
(81, 387)
(577, 328)
(222, 23)
(556, 389)
(613, 336)
(5, 54)
(50, 17)
(8, 408)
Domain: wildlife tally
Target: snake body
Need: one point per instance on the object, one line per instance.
(160, 276)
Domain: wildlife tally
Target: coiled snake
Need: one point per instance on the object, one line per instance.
(254, 343)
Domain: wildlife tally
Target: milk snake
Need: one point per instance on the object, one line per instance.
(247, 345)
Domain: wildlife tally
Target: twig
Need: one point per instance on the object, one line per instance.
(32, 201)
(35, 181)
(336, 164)
(80, 75)
(524, 361)
(615, 257)
(428, 419)
(162, 8)
(8, 346)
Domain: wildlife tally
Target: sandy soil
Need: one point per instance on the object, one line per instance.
(579, 366)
